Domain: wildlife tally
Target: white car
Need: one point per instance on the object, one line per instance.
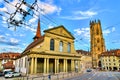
(12, 74)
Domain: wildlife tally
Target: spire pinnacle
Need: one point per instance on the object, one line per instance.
(38, 32)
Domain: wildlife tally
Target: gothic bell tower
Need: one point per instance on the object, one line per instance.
(97, 43)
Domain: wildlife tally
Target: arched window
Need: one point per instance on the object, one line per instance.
(69, 47)
(61, 46)
(52, 44)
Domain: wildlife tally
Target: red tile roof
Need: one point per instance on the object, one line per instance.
(115, 52)
(9, 55)
(83, 52)
(9, 65)
(34, 43)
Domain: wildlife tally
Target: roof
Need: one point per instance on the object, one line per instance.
(34, 43)
(59, 27)
(9, 55)
(38, 32)
(115, 52)
(41, 39)
(9, 65)
(83, 52)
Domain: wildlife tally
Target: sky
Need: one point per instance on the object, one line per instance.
(74, 15)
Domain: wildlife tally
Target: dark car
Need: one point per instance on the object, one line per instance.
(1, 74)
(89, 70)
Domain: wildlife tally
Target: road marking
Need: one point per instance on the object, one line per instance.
(92, 76)
(115, 77)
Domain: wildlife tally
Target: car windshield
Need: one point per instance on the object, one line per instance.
(9, 72)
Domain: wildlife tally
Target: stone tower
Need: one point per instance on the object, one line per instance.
(97, 43)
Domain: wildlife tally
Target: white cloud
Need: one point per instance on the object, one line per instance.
(14, 41)
(113, 29)
(10, 49)
(83, 32)
(108, 31)
(3, 9)
(79, 15)
(2, 37)
(50, 26)
(31, 29)
(32, 20)
(21, 35)
(74, 17)
(47, 8)
(7, 34)
(1, 1)
(86, 13)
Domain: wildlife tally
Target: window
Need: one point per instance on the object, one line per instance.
(69, 47)
(98, 41)
(61, 46)
(52, 44)
(26, 62)
(97, 31)
(114, 60)
(98, 49)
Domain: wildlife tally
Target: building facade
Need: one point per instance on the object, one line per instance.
(53, 52)
(97, 43)
(110, 60)
(86, 60)
(7, 60)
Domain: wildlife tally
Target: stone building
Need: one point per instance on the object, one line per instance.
(86, 60)
(7, 60)
(97, 43)
(110, 60)
(52, 52)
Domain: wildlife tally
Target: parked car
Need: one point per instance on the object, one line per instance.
(1, 74)
(12, 74)
(5, 71)
(16, 74)
(88, 70)
(8, 74)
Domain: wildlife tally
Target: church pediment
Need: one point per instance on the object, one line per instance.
(61, 31)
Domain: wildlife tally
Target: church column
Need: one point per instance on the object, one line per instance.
(47, 61)
(45, 66)
(72, 65)
(55, 65)
(32, 65)
(79, 66)
(64, 65)
(58, 65)
(35, 65)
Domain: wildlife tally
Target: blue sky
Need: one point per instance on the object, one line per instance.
(75, 15)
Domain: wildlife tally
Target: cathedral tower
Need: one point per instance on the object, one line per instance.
(97, 43)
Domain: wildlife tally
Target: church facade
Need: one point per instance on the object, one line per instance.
(52, 52)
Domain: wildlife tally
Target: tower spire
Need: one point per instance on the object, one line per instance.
(38, 32)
